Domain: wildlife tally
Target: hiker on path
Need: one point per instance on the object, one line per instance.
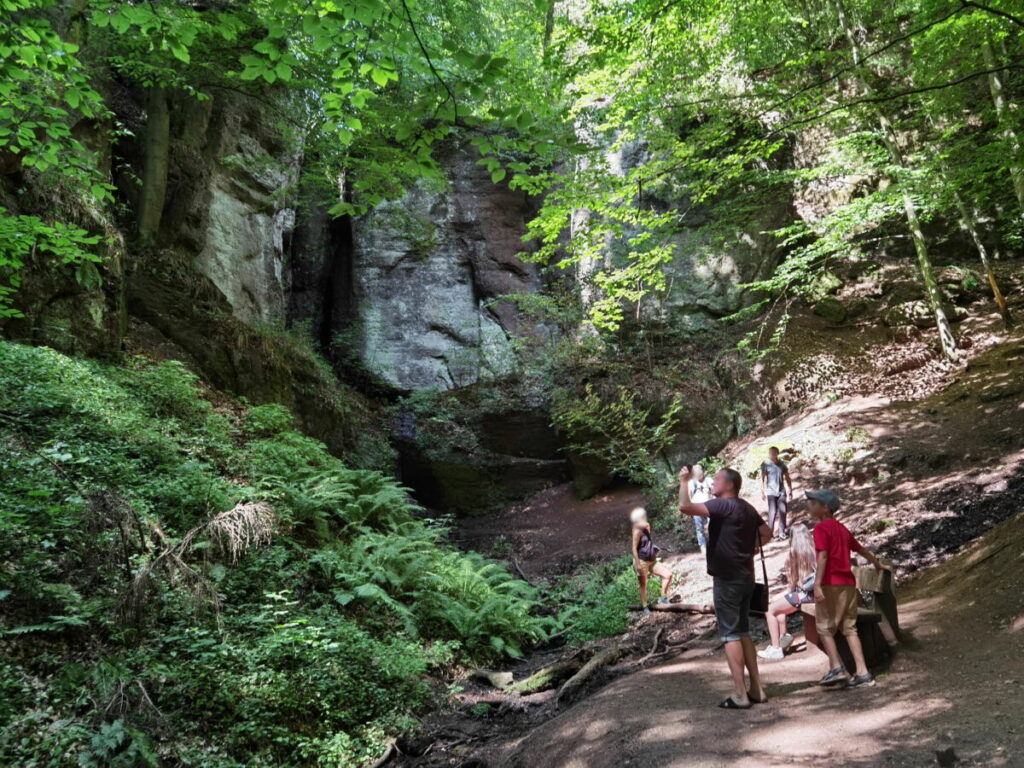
(645, 558)
(800, 568)
(774, 474)
(734, 531)
(700, 491)
(835, 589)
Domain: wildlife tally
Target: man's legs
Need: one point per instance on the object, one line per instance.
(735, 655)
(700, 523)
(773, 510)
(782, 507)
(732, 609)
(750, 662)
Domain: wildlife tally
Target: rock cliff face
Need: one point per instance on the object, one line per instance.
(410, 289)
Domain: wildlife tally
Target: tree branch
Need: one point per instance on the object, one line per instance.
(891, 97)
(430, 63)
(843, 70)
(994, 11)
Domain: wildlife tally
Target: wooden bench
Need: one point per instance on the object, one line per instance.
(877, 651)
(878, 625)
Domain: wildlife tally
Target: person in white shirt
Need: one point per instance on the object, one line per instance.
(700, 491)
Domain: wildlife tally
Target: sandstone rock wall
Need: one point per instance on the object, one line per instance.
(427, 270)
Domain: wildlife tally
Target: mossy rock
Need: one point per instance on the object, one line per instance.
(831, 309)
(825, 283)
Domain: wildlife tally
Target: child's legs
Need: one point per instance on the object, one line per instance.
(777, 612)
(848, 626)
(665, 574)
(828, 615)
(641, 574)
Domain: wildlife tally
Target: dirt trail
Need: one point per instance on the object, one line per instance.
(918, 480)
(959, 685)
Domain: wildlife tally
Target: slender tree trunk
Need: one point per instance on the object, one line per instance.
(156, 151)
(947, 340)
(995, 87)
(549, 23)
(968, 220)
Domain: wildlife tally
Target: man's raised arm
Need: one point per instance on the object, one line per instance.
(685, 505)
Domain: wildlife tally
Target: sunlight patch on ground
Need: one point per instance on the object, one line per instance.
(807, 734)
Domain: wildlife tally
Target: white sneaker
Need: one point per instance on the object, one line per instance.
(785, 641)
(771, 653)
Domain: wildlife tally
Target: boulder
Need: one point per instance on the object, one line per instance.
(831, 309)
(919, 314)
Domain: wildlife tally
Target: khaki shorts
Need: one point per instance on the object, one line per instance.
(646, 567)
(839, 611)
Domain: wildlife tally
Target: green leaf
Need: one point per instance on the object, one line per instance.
(498, 175)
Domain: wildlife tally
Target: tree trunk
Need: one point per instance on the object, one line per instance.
(968, 220)
(995, 87)
(156, 151)
(947, 340)
(924, 262)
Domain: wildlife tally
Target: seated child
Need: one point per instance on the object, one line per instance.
(800, 573)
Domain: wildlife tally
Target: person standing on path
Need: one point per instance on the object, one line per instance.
(645, 558)
(835, 589)
(734, 531)
(774, 481)
(700, 491)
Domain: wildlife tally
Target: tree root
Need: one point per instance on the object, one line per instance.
(608, 655)
(676, 608)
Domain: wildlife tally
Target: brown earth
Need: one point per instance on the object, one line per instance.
(936, 485)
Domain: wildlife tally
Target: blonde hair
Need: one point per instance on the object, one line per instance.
(637, 515)
(802, 557)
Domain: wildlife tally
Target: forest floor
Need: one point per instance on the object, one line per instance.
(924, 482)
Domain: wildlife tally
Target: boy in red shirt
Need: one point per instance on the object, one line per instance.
(835, 589)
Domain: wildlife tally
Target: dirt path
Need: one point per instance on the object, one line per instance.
(960, 686)
(918, 480)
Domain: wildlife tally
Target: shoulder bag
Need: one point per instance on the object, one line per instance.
(759, 597)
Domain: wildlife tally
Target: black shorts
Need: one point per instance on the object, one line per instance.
(732, 608)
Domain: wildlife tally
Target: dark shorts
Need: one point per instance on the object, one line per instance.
(732, 608)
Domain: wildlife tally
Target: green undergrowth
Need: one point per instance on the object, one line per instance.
(598, 599)
(188, 585)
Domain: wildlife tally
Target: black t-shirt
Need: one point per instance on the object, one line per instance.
(732, 538)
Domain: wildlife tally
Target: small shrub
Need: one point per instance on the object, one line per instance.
(603, 595)
(268, 420)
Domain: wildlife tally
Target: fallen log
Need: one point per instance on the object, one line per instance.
(549, 676)
(500, 680)
(604, 657)
(676, 608)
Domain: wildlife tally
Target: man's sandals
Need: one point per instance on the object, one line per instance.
(731, 703)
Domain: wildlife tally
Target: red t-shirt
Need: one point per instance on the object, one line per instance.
(833, 537)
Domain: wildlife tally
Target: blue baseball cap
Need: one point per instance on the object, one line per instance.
(827, 498)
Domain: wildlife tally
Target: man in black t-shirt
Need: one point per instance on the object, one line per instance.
(734, 531)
